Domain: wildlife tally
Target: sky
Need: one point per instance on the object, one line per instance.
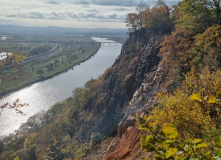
(69, 13)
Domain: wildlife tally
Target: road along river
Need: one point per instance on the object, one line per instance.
(41, 96)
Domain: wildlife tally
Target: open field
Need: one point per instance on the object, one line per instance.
(70, 51)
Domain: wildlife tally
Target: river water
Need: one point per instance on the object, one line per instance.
(41, 96)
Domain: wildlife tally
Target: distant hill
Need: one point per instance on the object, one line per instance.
(8, 29)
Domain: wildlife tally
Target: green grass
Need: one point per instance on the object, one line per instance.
(69, 54)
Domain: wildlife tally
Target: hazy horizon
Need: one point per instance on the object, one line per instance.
(69, 13)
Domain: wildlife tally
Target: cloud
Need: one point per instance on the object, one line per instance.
(70, 10)
(120, 9)
(113, 16)
(122, 3)
(53, 2)
(93, 10)
(128, 3)
(34, 15)
(82, 2)
(68, 15)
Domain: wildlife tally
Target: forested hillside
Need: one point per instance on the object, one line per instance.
(161, 99)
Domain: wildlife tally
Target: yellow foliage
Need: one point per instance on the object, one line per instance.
(206, 49)
(195, 97)
(192, 109)
(170, 132)
(165, 142)
(212, 100)
(156, 17)
(30, 139)
(174, 53)
(18, 57)
(206, 84)
(187, 116)
(16, 158)
(170, 152)
(197, 140)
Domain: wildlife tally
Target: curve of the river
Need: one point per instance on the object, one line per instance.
(42, 95)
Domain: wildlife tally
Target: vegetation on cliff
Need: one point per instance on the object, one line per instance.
(184, 123)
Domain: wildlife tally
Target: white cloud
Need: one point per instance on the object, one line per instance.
(90, 13)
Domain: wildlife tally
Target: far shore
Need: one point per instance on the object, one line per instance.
(45, 78)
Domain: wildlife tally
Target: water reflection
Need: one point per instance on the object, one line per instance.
(42, 95)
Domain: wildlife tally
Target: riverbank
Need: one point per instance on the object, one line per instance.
(81, 57)
(41, 96)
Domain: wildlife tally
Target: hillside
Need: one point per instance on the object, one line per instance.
(161, 99)
(106, 107)
(139, 80)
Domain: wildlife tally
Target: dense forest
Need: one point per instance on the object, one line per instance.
(160, 100)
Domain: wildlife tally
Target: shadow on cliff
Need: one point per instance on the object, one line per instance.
(129, 86)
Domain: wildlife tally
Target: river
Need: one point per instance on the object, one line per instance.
(41, 96)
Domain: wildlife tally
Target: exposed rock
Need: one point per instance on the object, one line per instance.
(128, 145)
(98, 151)
(95, 139)
(112, 145)
(130, 85)
(142, 100)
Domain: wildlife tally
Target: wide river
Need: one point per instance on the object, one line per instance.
(41, 96)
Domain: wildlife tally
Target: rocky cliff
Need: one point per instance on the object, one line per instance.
(143, 98)
(129, 86)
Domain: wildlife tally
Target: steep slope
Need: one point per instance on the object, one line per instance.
(143, 99)
(129, 86)
(102, 113)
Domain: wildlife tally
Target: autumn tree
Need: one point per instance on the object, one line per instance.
(182, 50)
(157, 16)
(206, 50)
(133, 22)
(11, 60)
(186, 123)
(175, 13)
(216, 4)
(175, 52)
(141, 7)
(197, 15)
(146, 17)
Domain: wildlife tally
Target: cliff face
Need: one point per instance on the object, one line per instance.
(129, 86)
(143, 98)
